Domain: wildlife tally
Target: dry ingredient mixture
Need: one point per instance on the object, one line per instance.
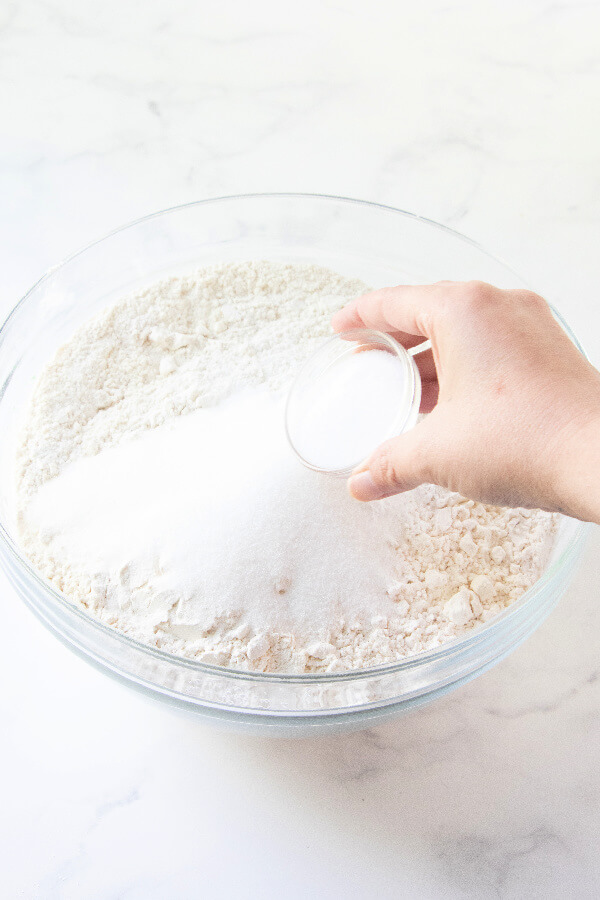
(157, 491)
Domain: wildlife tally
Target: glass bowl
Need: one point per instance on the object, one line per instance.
(331, 421)
(381, 246)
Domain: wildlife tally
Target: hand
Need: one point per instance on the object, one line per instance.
(514, 406)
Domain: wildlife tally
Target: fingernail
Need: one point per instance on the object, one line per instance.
(336, 318)
(362, 487)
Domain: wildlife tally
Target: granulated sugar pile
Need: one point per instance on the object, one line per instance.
(157, 490)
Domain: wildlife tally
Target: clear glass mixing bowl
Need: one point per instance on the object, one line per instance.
(375, 243)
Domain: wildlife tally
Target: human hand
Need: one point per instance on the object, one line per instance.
(514, 406)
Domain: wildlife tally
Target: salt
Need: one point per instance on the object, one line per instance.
(344, 413)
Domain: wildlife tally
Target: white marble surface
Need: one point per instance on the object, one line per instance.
(481, 115)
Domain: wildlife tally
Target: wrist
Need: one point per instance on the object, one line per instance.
(576, 482)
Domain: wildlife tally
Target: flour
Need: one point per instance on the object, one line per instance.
(158, 492)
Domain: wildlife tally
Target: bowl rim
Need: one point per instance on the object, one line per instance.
(445, 650)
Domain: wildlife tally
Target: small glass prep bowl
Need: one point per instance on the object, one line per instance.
(320, 401)
(376, 243)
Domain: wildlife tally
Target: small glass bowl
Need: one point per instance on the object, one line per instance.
(304, 407)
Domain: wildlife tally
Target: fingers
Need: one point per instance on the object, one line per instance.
(404, 311)
(408, 312)
(398, 465)
(371, 311)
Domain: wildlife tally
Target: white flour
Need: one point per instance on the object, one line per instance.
(203, 535)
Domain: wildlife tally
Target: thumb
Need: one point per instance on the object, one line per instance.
(398, 465)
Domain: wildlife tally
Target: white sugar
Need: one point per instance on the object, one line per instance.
(345, 413)
(214, 508)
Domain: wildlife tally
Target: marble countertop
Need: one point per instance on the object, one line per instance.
(483, 116)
